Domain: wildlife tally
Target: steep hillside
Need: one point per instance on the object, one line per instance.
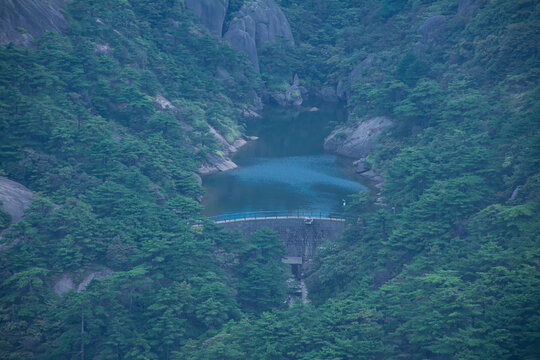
(106, 122)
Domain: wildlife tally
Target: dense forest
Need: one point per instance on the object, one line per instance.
(109, 121)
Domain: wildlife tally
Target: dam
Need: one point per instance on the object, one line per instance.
(301, 234)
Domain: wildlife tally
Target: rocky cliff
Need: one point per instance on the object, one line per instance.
(22, 21)
(357, 141)
(15, 198)
(256, 24)
(210, 13)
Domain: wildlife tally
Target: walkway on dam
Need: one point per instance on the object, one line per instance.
(261, 215)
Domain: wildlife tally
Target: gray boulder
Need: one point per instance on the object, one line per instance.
(357, 140)
(293, 96)
(361, 165)
(210, 13)
(257, 23)
(22, 21)
(103, 49)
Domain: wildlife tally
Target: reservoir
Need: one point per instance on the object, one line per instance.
(286, 169)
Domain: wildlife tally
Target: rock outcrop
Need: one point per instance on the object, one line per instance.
(361, 69)
(293, 96)
(431, 28)
(357, 72)
(221, 162)
(429, 34)
(256, 24)
(22, 21)
(65, 283)
(214, 162)
(356, 141)
(210, 13)
(15, 198)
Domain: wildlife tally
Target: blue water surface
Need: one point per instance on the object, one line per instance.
(302, 174)
(285, 170)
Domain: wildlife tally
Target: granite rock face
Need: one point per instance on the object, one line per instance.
(431, 28)
(357, 140)
(215, 163)
(22, 21)
(221, 162)
(15, 198)
(256, 24)
(429, 34)
(354, 76)
(210, 13)
(361, 69)
(65, 283)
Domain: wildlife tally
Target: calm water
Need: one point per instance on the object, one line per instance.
(286, 169)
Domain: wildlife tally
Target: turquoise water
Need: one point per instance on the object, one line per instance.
(286, 169)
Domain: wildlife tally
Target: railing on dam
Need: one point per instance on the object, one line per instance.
(277, 215)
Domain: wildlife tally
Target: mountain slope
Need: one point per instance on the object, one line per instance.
(108, 122)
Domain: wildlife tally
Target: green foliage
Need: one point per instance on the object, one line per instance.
(263, 275)
(390, 7)
(445, 268)
(410, 69)
(5, 219)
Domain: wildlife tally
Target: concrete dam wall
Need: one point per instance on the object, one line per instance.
(301, 236)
